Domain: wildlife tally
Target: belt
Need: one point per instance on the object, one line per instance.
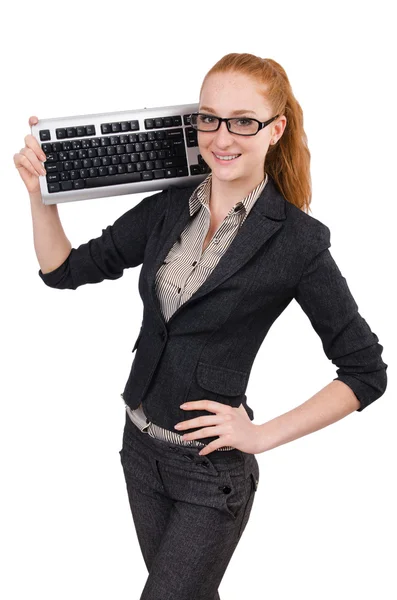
(139, 418)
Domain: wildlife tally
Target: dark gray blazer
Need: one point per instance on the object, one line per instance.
(208, 346)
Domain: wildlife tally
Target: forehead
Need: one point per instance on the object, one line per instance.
(232, 94)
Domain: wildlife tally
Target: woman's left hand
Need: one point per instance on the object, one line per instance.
(232, 425)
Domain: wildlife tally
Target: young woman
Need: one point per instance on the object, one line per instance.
(220, 262)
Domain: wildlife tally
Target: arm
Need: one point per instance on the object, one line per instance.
(348, 342)
(121, 245)
(50, 242)
(335, 401)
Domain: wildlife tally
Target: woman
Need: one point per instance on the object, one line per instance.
(189, 511)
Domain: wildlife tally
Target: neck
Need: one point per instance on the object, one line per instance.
(225, 194)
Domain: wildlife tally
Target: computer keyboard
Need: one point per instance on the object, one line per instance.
(126, 152)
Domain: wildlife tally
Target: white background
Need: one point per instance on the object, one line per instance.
(324, 522)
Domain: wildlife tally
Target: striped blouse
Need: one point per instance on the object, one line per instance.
(186, 267)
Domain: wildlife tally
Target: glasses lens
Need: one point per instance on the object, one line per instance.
(242, 126)
(204, 122)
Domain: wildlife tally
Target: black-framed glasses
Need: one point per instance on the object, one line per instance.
(237, 125)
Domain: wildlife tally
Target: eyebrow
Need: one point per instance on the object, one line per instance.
(235, 112)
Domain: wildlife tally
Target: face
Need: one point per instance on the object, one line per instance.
(225, 93)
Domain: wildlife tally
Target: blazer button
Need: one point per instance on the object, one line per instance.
(162, 335)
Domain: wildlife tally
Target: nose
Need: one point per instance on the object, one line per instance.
(223, 134)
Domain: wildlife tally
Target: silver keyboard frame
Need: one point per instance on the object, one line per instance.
(127, 115)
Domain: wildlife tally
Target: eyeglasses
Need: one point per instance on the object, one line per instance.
(237, 125)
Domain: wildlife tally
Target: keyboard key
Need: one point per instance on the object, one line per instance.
(44, 135)
(113, 180)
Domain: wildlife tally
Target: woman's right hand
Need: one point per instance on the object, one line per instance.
(28, 161)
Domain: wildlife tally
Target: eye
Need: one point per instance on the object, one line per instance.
(206, 117)
(245, 121)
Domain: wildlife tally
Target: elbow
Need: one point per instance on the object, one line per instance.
(367, 387)
(58, 279)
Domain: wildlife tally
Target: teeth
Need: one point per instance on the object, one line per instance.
(227, 157)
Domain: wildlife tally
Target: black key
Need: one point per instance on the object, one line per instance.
(66, 185)
(182, 172)
(44, 134)
(113, 180)
(51, 177)
(176, 161)
(53, 187)
(174, 134)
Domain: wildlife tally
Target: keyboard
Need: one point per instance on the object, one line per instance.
(125, 152)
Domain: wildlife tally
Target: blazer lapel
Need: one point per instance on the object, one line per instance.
(264, 220)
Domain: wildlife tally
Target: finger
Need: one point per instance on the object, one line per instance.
(211, 447)
(198, 422)
(28, 152)
(209, 405)
(33, 120)
(24, 162)
(203, 433)
(33, 144)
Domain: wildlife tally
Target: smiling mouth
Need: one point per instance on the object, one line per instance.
(227, 160)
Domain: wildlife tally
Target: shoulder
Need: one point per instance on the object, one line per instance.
(308, 233)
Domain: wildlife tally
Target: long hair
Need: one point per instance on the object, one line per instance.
(287, 161)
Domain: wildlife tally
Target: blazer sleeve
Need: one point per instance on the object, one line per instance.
(324, 295)
(121, 246)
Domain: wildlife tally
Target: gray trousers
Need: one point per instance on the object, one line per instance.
(189, 512)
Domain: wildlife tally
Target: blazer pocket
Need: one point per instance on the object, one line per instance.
(221, 380)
